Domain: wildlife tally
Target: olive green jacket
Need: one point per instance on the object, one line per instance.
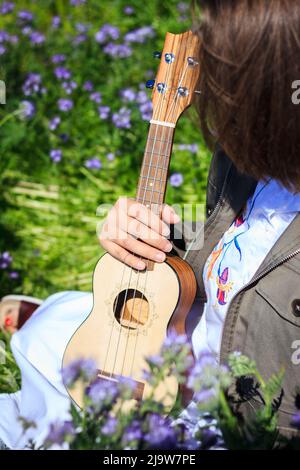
(263, 318)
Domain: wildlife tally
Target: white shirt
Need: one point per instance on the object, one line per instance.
(238, 255)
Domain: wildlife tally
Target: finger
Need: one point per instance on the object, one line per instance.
(139, 230)
(137, 247)
(169, 215)
(123, 255)
(147, 217)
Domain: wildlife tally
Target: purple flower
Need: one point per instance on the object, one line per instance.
(32, 84)
(156, 360)
(205, 376)
(205, 395)
(107, 32)
(161, 434)
(96, 97)
(110, 156)
(27, 30)
(139, 35)
(142, 97)
(128, 10)
(27, 109)
(14, 275)
(54, 123)
(79, 39)
(60, 432)
(103, 112)
(88, 86)
(69, 86)
(193, 148)
(13, 39)
(176, 180)
(6, 7)
(174, 342)
(128, 94)
(58, 58)
(117, 50)
(110, 426)
(37, 38)
(182, 7)
(5, 260)
(82, 28)
(25, 15)
(93, 164)
(56, 22)
(2, 49)
(103, 393)
(56, 155)
(76, 3)
(4, 36)
(64, 137)
(132, 433)
(64, 104)
(81, 368)
(62, 73)
(146, 110)
(121, 119)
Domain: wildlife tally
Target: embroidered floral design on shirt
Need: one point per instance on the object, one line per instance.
(223, 286)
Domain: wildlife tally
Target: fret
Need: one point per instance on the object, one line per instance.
(151, 178)
(155, 167)
(154, 172)
(151, 190)
(159, 140)
(149, 203)
(158, 150)
(157, 154)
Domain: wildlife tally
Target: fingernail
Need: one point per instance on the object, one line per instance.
(160, 256)
(168, 246)
(140, 265)
(166, 231)
(176, 218)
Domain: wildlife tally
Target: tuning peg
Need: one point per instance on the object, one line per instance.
(150, 84)
(157, 55)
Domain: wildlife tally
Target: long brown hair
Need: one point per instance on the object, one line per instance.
(250, 57)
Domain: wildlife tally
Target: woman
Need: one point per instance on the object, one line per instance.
(248, 270)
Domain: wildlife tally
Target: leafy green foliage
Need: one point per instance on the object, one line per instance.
(10, 378)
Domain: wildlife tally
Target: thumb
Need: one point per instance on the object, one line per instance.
(169, 215)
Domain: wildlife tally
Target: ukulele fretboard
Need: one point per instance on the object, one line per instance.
(154, 173)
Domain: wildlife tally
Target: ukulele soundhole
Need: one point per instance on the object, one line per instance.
(131, 309)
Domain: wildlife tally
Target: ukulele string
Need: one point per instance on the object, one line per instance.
(161, 157)
(146, 276)
(123, 306)
(162, 97)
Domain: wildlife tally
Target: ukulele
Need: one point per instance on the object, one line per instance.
(134, 310)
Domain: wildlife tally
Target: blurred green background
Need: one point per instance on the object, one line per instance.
(69, 67)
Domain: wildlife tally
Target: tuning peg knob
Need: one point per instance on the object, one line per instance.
(150, 84)
(157, 54)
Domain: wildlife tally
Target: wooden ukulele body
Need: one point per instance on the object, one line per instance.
(122, 329)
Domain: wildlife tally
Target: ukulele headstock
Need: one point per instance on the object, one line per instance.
(177, 77)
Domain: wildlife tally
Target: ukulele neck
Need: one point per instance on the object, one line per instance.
(154, 173)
